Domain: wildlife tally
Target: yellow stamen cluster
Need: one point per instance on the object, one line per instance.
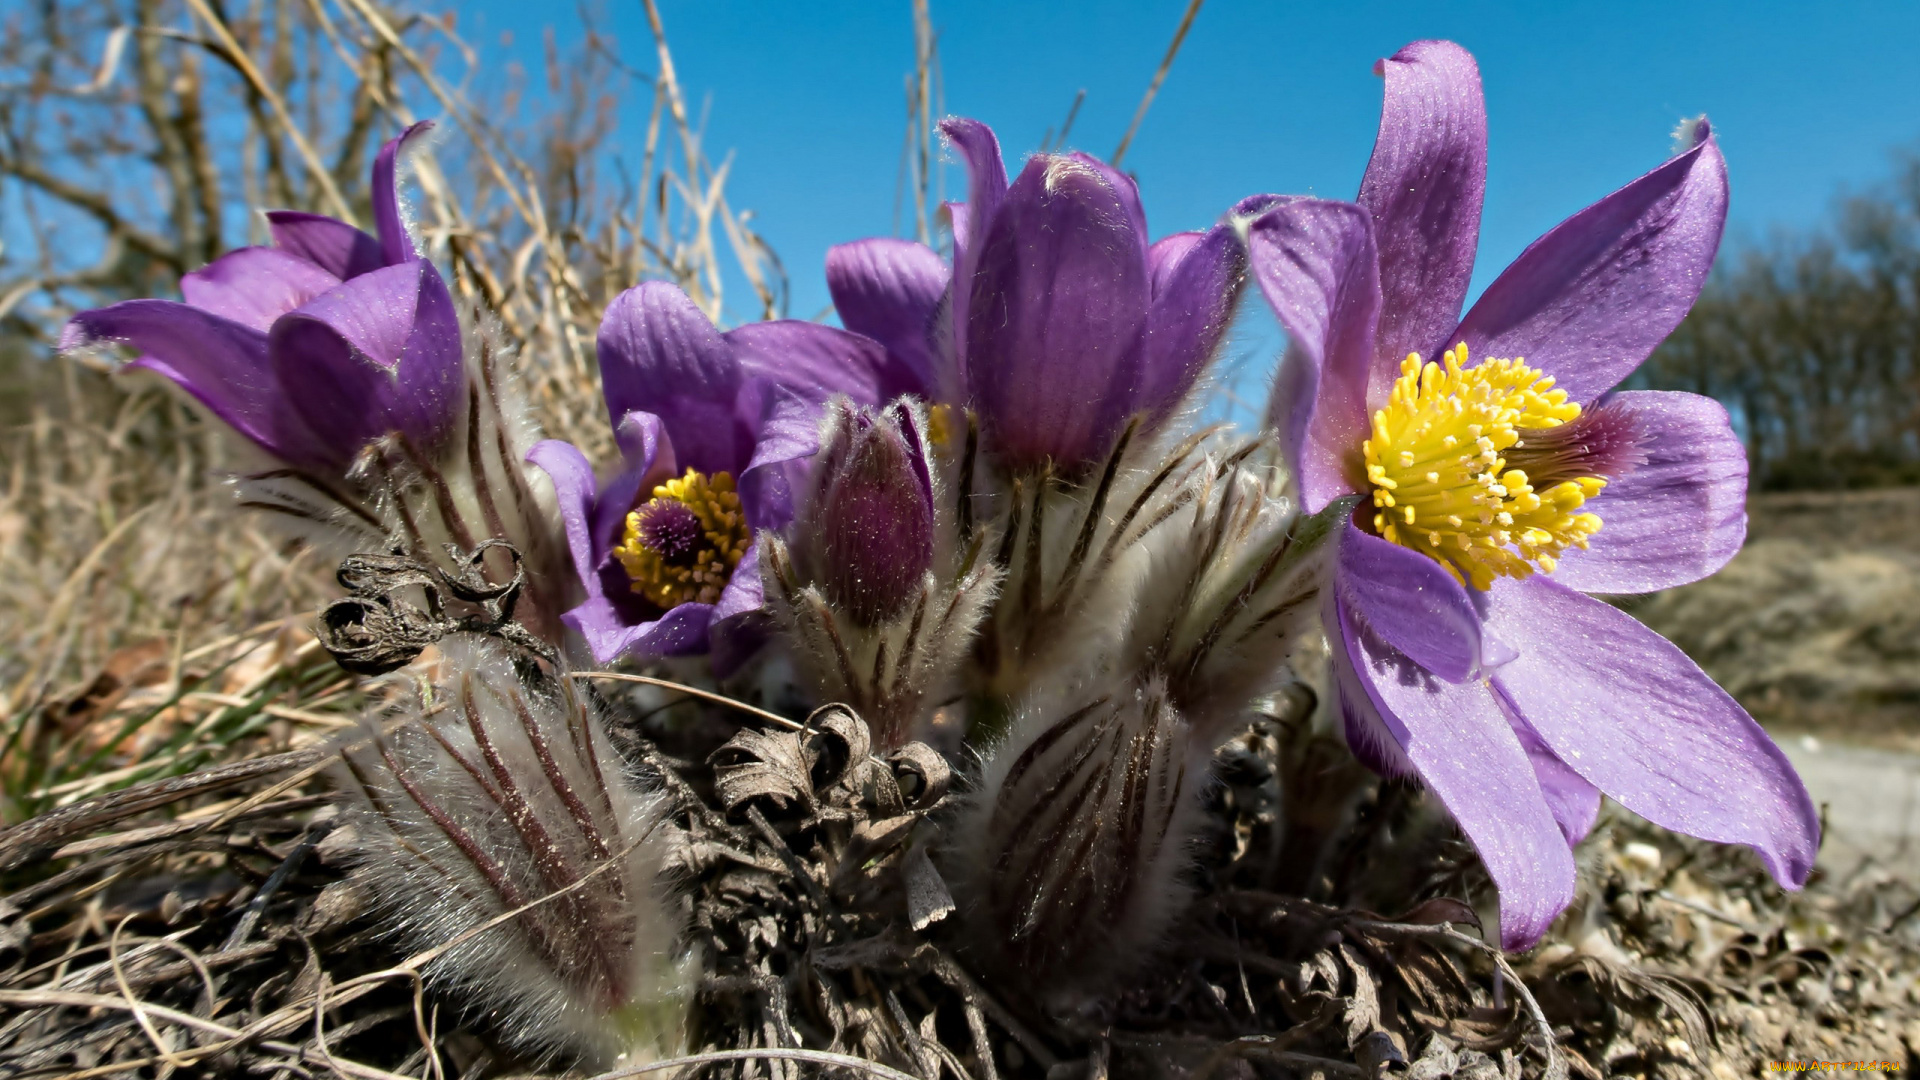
(699, 575)
(1439, 477)
(939, 425)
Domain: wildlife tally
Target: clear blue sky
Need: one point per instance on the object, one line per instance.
(1807, 98)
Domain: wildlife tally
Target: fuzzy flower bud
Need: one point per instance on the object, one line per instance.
(873, 528)
(1068, 859)
(507, 831)
(878, 603)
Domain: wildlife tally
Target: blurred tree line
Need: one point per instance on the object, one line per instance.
(1813, 344)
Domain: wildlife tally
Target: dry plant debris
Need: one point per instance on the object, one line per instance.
(205, 925)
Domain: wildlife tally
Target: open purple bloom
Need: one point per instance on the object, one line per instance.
(1062, 321)
(712, 427)
(313, 347)
(1508, 479)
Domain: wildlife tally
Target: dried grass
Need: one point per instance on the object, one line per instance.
(136, 608)
(173, 905)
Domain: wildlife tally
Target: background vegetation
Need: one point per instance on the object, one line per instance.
(1812, 341)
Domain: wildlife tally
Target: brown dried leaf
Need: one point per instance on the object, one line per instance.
(1363, 1008)
(923, 775)
(837, 743)
(760, 764)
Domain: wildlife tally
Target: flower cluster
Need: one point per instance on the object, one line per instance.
(983, 515)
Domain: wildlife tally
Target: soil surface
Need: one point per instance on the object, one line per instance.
(1815, 625)
(1871, 798)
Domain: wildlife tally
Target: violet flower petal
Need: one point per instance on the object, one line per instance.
(1424, 187)
(1315, 263)
(255, 285)
(659, 354)
(1124, 188)
(220, 362)
(329, 243)
(379, 353)
(743, 593)
(1587, 302)
(1193, 301)
(648, 461)
(741, 625)
(1458, 740)
(986, 188)
(396, 246)
(1630, 713)
(787, 431)
(889, 290)
(815, 361)
(1574, 802)
(1369, 738)
(1054, 323)
(1677, 517)
(566, 467)
(606, 626)
(1410, 601)
(610, 633)
(1165, 255)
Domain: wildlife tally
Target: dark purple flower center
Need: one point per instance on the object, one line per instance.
(670, 529)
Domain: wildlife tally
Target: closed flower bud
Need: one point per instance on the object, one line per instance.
(872, 530)
(1067, 861)
(505, 831)
(877, 600)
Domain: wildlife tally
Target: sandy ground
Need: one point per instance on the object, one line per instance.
(1872, 801)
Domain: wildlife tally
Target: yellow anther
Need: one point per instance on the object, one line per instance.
(939, 424)
(683, 544)
(1438, 446)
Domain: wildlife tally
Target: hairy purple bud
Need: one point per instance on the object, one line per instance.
(875, 520)
(1068, 859)
(868, 581)
(507, 833)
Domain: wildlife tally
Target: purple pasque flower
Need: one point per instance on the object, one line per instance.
(868, 535)
(315, 346)
(1508, 478)
(1061, 320)
(712, 427)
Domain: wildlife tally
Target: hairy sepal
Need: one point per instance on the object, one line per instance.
(502, 830)
(893, 672)
(1067, 858)
(474, 487)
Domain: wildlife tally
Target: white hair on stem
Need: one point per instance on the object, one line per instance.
(1068, 857)
(511, 797)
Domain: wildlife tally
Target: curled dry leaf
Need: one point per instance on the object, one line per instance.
(758, 764)
(922, 774)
